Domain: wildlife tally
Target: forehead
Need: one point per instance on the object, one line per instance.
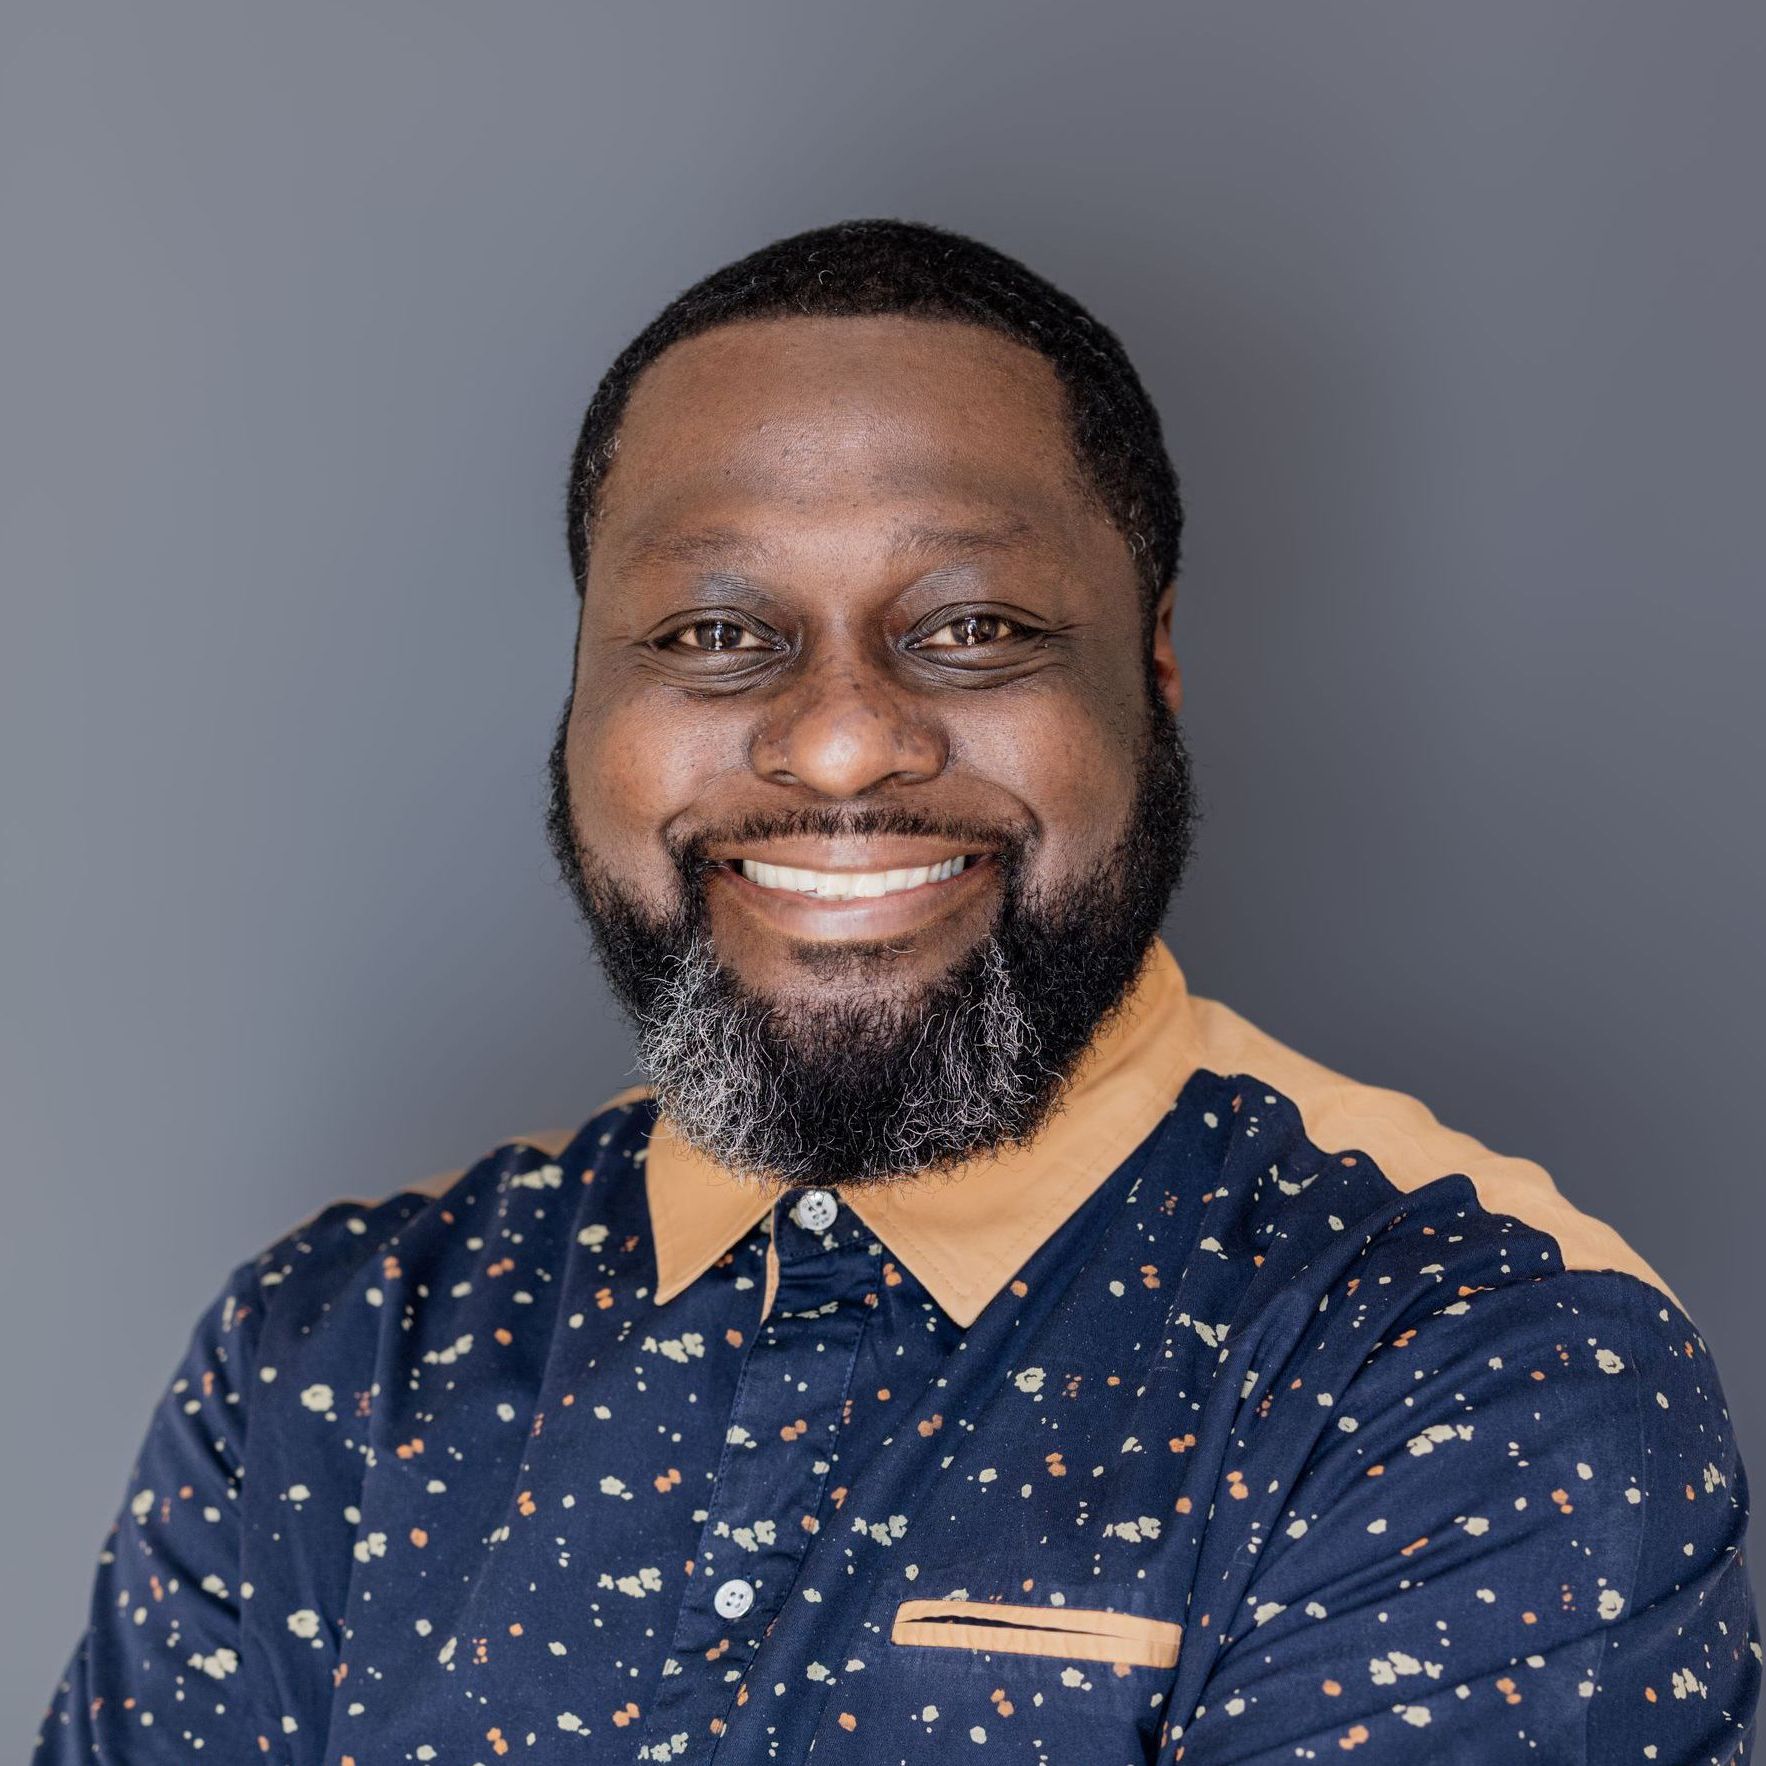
(804, 424)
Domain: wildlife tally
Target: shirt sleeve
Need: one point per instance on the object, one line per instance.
(1518, 1537)
(157, 1674)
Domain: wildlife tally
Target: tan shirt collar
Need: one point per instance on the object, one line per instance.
(967, 1231)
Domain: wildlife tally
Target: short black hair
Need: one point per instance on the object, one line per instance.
(867, 267)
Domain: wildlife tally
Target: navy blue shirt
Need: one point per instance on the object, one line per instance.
(1250, 1415)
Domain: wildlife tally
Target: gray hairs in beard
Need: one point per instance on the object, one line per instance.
(973, 1074)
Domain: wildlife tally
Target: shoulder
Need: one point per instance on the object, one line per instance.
(1451, 1316)
(359, 1244)
(551, 1141)
(1414, 1269)
(1410, 1149)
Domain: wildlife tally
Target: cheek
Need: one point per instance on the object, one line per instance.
(629, 778)
(1073, 767)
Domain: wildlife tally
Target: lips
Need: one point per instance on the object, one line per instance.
(849, 885)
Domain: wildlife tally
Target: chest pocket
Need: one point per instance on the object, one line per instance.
(1075, 1634)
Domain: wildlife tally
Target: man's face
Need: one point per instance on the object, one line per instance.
(861, 667)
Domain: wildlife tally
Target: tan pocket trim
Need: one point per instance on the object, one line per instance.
(1085, 1634)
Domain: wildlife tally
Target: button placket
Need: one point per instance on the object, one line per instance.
(765, 1504)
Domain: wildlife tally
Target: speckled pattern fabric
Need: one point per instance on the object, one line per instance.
(1259, 1457)
(439, 1482)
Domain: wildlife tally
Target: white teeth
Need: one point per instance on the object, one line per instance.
(847, 885)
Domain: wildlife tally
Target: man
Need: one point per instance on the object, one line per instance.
(971, 1339)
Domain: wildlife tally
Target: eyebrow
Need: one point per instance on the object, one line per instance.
(715, 546)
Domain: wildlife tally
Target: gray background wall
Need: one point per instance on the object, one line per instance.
(1454, 316)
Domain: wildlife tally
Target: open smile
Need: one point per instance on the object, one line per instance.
(849, 885)
(818, 902)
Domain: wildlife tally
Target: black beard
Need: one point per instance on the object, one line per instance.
(863, 1091)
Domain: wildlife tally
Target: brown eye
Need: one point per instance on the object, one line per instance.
(969, 631)
(716, 634)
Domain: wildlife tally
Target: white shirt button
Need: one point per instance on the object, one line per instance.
(733, 1598)
(816, 1211)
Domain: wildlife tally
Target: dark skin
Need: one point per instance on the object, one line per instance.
(849, 564)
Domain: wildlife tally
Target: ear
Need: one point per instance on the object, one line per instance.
(1166, 671)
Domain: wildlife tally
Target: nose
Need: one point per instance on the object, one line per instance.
(846, 729)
